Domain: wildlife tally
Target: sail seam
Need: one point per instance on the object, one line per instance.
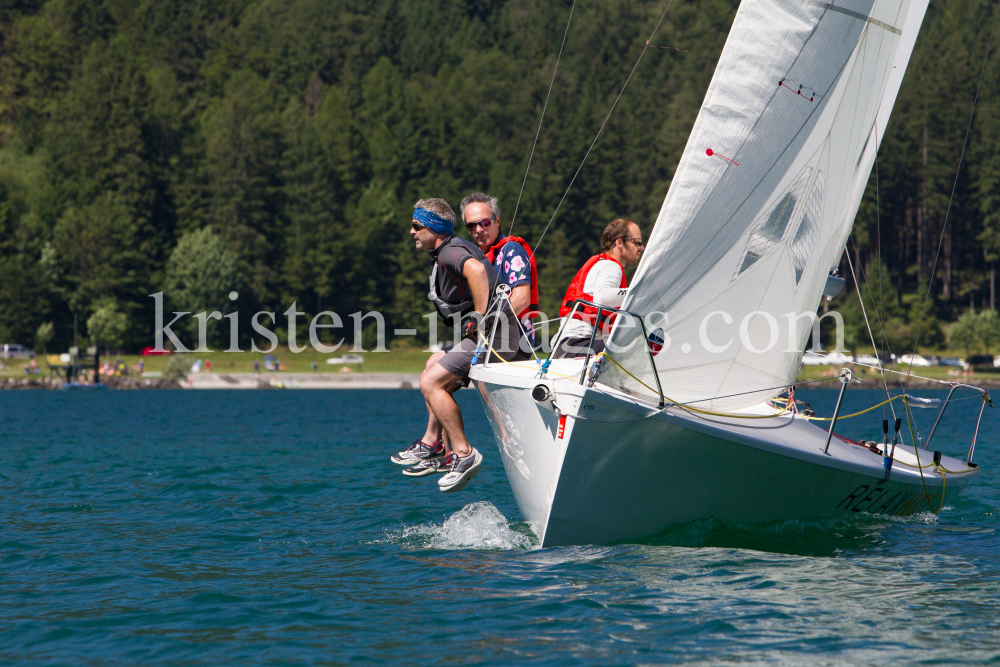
(854, 14)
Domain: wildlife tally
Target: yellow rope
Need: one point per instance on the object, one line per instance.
(941, 471)
(826, 419)
(935, 465)
(605, 355)
(952, 472)
(898, 462)
(688, 407)
(516, 365)
(710, 412)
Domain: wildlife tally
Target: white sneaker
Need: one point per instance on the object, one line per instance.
(460, 471)
(418, 452)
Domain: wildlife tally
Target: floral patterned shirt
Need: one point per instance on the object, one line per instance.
(513, 267)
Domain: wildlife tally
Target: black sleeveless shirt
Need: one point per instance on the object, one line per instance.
(449, 290)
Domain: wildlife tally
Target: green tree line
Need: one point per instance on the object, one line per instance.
(275, 148)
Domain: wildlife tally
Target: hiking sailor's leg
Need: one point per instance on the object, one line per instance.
(434, 431)
(435, 384)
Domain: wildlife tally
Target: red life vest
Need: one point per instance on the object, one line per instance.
(533, 288)
(575, 291)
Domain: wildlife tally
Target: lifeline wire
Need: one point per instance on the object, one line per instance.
(944, 226)
(598, 136)
(542, 118)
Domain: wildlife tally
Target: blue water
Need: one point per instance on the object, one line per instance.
(269, 527)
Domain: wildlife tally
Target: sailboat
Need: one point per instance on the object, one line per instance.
(620, 446)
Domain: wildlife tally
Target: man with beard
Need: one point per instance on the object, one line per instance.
(601, 281)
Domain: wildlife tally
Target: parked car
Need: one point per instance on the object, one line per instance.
(953, 361)
(813, 359)
(917, 360)
(832, 359)
(980, 360)
(346, 359)
(15, 351)
(839, 358)
(148, 351)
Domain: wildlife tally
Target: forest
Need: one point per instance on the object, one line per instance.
(276, 147)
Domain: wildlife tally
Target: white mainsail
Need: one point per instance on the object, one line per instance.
(798, 104)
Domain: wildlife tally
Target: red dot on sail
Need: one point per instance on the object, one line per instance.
(709, 152)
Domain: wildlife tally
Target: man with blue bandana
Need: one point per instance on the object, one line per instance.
(460, 289)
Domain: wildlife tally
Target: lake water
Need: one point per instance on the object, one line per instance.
(267, 527)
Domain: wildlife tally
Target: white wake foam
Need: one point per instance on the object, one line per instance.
(476, 526)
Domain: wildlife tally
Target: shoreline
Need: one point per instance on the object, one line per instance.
(320, 380)
(315, 380)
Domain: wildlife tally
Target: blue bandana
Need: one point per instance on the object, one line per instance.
(433, 221)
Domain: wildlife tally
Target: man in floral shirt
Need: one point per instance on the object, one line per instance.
(510, 258)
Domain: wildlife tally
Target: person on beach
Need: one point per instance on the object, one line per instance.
(601, 280)
(461, 290)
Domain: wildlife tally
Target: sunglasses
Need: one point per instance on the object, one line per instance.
(484, 223)
(417, 226)
(638, 242)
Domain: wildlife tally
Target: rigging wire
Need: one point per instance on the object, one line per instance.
(861, 300)
(880, 323)
(944, 226)
(880, 310)
(598, 136)
(542, 118)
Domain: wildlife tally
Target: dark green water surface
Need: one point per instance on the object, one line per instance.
(266, 527)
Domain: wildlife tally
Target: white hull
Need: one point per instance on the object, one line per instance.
(630, 477)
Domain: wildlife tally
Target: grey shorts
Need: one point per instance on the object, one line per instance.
(457, 359)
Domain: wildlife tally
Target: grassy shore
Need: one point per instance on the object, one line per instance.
(394, 361)
(412, 360)
(949, 373)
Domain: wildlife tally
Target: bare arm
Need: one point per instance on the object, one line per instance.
(475, 274)
(520, 298)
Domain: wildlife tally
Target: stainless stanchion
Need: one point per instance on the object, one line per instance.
(845, 378)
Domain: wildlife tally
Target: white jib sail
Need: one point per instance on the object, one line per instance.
(743, 246)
